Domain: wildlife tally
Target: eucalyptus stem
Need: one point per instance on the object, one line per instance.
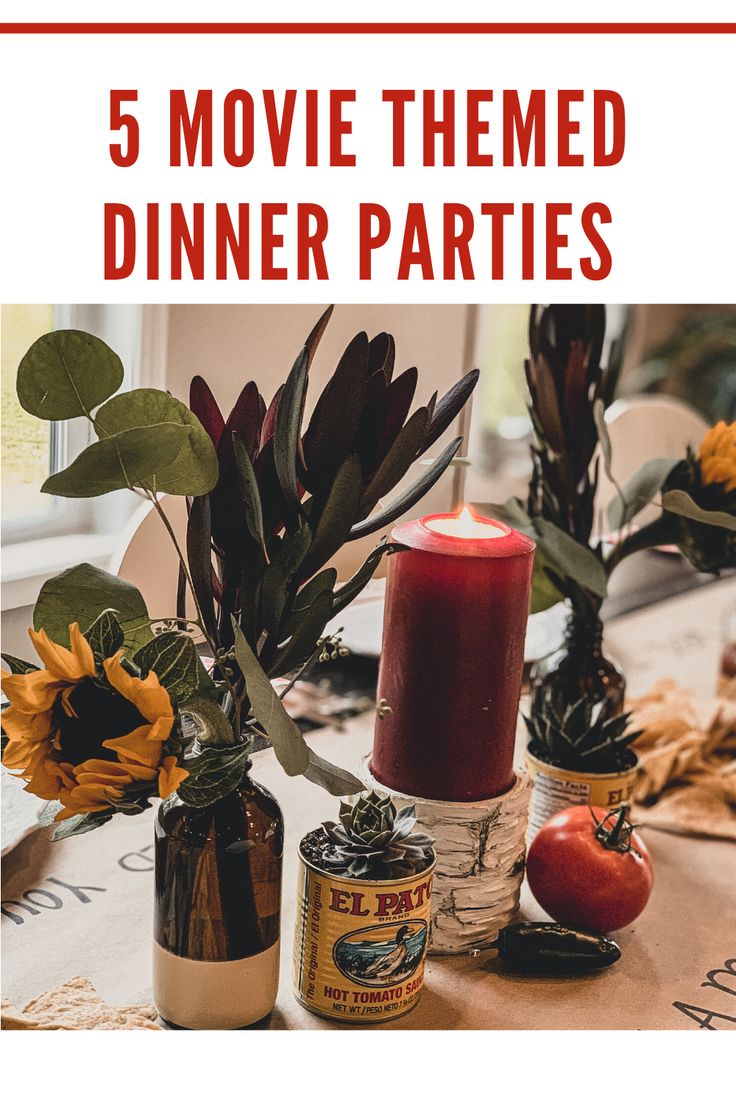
(200, 622)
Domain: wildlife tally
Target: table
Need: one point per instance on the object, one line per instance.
(83, 906)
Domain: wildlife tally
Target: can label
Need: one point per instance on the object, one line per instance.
(556, 789)
(360, 946)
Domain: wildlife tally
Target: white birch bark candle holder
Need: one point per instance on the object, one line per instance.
(480, 861)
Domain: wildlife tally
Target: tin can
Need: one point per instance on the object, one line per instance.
(556, 789)
(359, 945)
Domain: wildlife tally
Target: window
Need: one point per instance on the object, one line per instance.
(41, 534)
(29, 446)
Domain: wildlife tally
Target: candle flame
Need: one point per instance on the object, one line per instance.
(466, 525)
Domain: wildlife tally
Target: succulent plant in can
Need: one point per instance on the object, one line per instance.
(375, 840)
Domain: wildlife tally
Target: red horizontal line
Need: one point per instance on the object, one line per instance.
(368, 28)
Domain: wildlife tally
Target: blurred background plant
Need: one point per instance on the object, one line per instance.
(696, 363)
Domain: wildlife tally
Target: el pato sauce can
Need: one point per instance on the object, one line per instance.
(360, 946)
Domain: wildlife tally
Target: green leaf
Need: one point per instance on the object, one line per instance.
(173, 658)
(575, 560)
(304, 636)
(409, 497)
(131, 458)
(334, 779)
(194, 469)
(81, 594)
(544, 592)
(249, 491)
(680, 502)
(77, 825)
(105, 636)
(599, 417)
(213, 774)
(18, 666)
(638, 491)
(288, 431)
(66, 374)
(345, 594)
(288, 743)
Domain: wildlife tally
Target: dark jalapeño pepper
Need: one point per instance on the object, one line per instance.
(538, 948)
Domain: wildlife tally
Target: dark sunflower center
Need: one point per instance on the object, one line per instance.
(100, 715)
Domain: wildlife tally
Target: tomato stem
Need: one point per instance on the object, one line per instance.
(617, 836)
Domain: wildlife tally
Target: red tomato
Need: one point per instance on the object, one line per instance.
(595, 876)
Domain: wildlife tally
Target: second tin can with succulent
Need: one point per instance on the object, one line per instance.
(363, 909)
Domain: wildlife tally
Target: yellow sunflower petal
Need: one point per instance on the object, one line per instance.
(31, 693)
(718, 455)
(65, 664)
(147, 695)
(19, 755)
(87, 799)
(170, 776)
(49, 779)
(110, 773)
(26, 726)
(143, 744)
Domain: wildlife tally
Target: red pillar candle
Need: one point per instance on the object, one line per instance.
(452, 657)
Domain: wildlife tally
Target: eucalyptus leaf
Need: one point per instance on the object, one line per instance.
(213, 774)
(174, 660)
(680, 502)
(131, 458)
(81, 594)
(105, 636)
(17, 666)
(193, 470)
(288, 743)
(334, 779)
(66, 374)
(574, 560)
(638, 491)
(409, 497)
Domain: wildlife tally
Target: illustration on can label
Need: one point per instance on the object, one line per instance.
(360, 947)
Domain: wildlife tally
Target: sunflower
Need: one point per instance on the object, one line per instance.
(83, 740)
(717, 455)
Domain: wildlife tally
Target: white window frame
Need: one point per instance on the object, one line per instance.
(77, 530)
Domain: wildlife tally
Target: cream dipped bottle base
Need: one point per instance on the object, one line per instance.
(212, 996)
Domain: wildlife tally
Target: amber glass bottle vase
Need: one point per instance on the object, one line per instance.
(217, 909)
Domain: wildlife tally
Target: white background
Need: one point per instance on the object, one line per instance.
(674, 231)
(674, 220)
